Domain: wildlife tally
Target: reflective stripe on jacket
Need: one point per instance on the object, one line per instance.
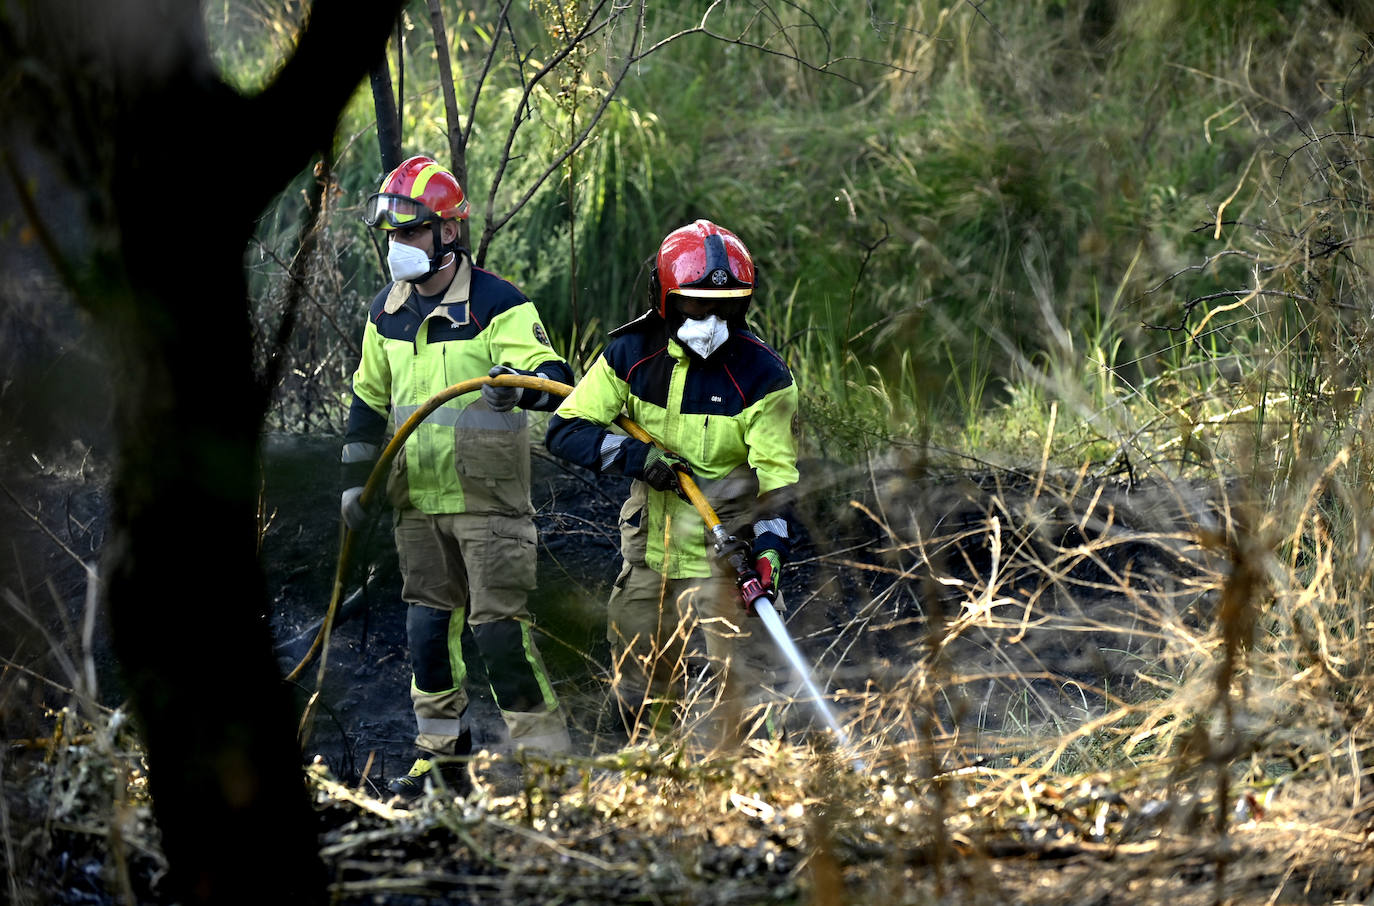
(464, 457)
(729, 416)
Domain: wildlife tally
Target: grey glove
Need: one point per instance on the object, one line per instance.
(351, 507)
(501, 399)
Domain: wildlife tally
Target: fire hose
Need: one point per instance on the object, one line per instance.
(727, 548)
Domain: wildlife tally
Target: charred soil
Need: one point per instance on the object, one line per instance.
(964, 622)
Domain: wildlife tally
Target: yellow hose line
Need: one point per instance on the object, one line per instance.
(378, 476)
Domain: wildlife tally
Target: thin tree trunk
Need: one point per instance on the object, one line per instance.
(457, 144)
(388, 123)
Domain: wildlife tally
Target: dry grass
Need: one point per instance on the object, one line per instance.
(1063, 690)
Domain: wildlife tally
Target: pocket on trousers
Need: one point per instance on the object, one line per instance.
(493, 468)
(512, 553)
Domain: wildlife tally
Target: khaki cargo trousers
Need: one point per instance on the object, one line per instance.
(655, 626)
(476, 569)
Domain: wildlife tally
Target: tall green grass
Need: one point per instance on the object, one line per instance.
(894, 199)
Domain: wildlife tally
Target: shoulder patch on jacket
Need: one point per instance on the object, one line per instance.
(540, 335)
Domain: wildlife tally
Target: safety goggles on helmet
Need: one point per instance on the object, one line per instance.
(697, 303)
(392, 212)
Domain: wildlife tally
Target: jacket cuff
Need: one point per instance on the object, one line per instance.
(542, 400)
(633, 454)
(356, 462)
(771, 534)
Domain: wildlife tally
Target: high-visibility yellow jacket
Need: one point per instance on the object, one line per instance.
(465, 457)
(730, 416)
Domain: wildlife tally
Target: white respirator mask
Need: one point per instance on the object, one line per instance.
(406, 262)
(704, 335)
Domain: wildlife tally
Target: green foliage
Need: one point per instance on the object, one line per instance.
(612, 185)
(250, 40)
(937, 200)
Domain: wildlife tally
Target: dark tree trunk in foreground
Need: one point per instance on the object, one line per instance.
(173, 168)
(388, 119)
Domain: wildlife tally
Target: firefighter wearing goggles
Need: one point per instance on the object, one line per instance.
(460, 487)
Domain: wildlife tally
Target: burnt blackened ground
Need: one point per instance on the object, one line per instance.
(1075, 577)
(1015, 596)
(364, 707)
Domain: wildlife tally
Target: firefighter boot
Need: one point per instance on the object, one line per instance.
(440, 772)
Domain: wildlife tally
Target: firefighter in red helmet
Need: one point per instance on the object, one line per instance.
(720, 403)
(460, 487)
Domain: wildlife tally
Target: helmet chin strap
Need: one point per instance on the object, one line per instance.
(435, 268)
(442, 258)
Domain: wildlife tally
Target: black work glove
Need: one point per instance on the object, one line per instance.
(660, 470)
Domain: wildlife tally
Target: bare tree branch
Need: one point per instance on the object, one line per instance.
(502, 19)
(324, 311)
(493, 223)
(591, 27)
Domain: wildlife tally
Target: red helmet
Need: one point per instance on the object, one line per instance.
(418, 191)
(702, 260)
